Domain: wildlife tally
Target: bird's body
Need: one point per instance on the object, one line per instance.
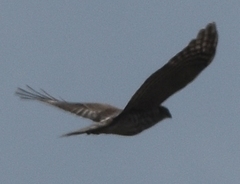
(144, 109)
(131, 123)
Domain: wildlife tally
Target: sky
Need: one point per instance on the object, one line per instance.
(102, 51)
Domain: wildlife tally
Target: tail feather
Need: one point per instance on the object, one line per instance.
(92, 129)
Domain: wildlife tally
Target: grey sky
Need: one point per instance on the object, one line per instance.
(102, 51)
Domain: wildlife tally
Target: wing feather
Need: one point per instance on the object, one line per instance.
(178, 72)
(93, 111)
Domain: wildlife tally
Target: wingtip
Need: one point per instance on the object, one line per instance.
(212, 26)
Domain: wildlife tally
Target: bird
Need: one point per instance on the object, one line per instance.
(144, 109)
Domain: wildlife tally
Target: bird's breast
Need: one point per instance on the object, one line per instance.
(134, 122)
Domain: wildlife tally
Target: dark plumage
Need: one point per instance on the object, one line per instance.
(144, 108)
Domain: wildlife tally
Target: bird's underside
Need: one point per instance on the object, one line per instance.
(144, 109)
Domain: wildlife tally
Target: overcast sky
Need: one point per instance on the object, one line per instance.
(102, 51)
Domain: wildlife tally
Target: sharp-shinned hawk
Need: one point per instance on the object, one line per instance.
(144, 108)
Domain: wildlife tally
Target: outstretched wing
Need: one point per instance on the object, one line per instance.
(182, 69)
(93, 111)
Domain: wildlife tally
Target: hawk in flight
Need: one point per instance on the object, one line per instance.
(144, 108)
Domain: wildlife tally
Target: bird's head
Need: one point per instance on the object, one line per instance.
(165, 112)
